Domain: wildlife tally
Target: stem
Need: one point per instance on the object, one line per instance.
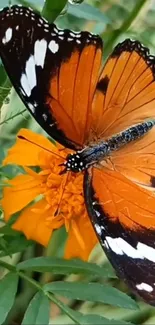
(39, 287)
(63, 307)
(11, 117)
(52, 9)
(8, 266)
(141, 316)
(126, 24)
(7, 86)
(33, 282)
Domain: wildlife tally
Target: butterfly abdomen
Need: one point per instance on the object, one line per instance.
(131, 134)
(93, 154)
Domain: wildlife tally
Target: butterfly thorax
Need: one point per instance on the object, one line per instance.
(90, 155)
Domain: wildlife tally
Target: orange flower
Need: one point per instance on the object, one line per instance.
(53, 200)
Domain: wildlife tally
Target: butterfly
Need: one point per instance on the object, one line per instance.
(106, 116)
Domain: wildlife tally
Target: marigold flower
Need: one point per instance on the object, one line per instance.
(47, 199)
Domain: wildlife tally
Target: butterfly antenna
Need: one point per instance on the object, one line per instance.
(38, 145)
(63, 185)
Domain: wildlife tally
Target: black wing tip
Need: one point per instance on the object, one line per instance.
(19, 9)
(130, 45)
(14, 7)
(29, 12)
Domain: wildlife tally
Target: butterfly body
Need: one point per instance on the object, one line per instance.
(106, 117)
(95, 153)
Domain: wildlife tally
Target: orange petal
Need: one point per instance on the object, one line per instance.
(26, 150)
(23, 189)
(33, 224)
(73, 246)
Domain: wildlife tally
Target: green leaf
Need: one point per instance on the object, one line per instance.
(62, 266)
(8, 288)
(88, 12)
(9, 110)
(92, 292)
(7, 230)
(52, 9)
(38, 311)
(100, 320)
(13, 244)
(5, 86)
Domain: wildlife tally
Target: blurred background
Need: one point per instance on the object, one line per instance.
(114, 20)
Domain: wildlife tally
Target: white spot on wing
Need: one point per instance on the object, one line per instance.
(53, 46)
(8, 35)
(41, 21)
(120, 246)
(45, 24)
(70, 39)
(98, 229)
(111, 242)
(31, 72)
(55, 30)
(147, 251)
(44, 117)
(61, 32)
(40, 49)
(25, 85)
(31, 107)
(72, 34)
(97, 213)
(144, 286)
(22, 91)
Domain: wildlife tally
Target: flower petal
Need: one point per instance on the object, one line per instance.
(23, 189)
(28, 147)
(33, 224)
(74, 246)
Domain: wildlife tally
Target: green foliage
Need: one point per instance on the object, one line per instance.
(80, 291)
(84, 292)
(87, 12)
(61, 266)
(99, 320)
(38, 311)
(91, 292)
(8, 289)
(52, 9)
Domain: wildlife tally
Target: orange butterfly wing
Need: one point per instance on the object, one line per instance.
(72, 88)
(125, 93)
(119, 191)
(123, 216)
(136, 161)
(54, 72)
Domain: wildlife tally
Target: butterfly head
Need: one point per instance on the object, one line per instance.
(75, 163)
